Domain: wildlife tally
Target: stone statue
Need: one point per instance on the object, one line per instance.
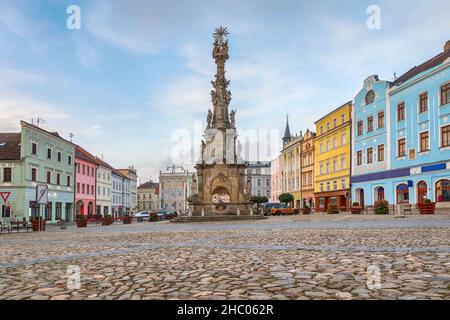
(193, 185)
(232, 118)
(248, 187)
(202, 154)
(209, 119)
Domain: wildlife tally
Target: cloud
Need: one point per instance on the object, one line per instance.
(86, 54)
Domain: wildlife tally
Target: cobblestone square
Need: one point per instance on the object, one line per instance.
(296, 257)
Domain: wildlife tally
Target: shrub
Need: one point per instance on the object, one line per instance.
(333, 208)
(381, 207)
(426, 200)
(356, 204)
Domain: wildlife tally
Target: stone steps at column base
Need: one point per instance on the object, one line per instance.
(186, 219)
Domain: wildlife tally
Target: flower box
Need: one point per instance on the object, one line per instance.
(427, 207)
(306, 210)
(107, 221)
(126, 219)
(81, 222)
(356, 210)
(38, 225)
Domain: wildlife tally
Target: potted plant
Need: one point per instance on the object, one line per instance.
(107, 220)
(38, 224)
(381, 207)
(126, 219)
(81, 221)
(356, 208)
(333, 208)
(427, 207)
(153, 217)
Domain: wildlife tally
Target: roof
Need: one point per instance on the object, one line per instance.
(149, 185)
(433, 62)
(10, 146)
(100, 162)
(55, 134)
(84, 155)
(345, 104)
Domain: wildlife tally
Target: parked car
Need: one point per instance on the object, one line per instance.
(166, 214)
(282, 209)
(267, 207)
(140, 216)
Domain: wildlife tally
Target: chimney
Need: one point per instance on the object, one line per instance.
(447, 46)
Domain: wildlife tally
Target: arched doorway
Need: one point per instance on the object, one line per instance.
(79, 208)
(402, 191)
(422, 190)
(443, 191)
(359, 197)
(379, 193)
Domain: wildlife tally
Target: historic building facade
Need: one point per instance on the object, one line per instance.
(332, 158)
(85, 178)
(174, 188)
(276, 169)
(117, 204)
(103, 188)
(307, 168)
(416, 138)
(148, 196)
(261, 176)
(31, 158)
(291, 157)
(131, 175)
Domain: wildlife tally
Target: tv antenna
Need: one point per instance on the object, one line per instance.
(71, 136)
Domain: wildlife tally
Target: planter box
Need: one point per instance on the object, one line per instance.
(38, 225)
(127, 220)
(306, 210)
(107, 221)
(427, 207)
(81, 223)
(356, 210)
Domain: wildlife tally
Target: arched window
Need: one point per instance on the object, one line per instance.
(370, 97)
(443, 191)
(402, 193)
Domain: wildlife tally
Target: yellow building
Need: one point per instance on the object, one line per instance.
(332, 156)
(291, 173)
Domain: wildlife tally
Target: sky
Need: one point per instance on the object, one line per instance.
(132, 85)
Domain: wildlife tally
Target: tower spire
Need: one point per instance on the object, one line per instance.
(287, 132)
(220, 96)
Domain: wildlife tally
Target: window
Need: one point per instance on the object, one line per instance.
(343, 118)
(83, 188)
(443, 191)
(321, 129)
(343, 165)
(445, 94)
(344, 184)
(33, 174)
(69, 160)
(68, 181)
(370, 97)
(335, 165)
(359, 158)
(380, 155)
(49, 177)
(370, 155)
(343, 140)
(84, 169)
(49, 153)
(328, 167)
(335, 185)
(59, 156)
(334, 123)
(321, 168)
(328, 126)
(401, 147)
(78, 187)
(328, 186)
(34, 148)
(58, 179)
(48, 211)
(423, 102)
(424, 142)
(401, 111)
(334, 143)
(380, 119)
(369, 124)
(98, 190)
(360, 128)
(445, 136)
(7, 174)
(402, 194)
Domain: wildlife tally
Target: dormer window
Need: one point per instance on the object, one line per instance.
(370, 97)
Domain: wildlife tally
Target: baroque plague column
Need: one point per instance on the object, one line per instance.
(222, 190)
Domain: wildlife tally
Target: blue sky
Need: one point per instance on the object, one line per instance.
(138, 71)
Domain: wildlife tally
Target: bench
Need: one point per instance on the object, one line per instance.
(5, 227)
(19, 225)
(407, 208)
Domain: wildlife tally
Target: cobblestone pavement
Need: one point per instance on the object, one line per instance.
(299, 257)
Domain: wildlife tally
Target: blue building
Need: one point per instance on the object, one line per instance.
(401, 136)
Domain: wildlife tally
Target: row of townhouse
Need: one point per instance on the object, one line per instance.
(78, 183)
(392, 142)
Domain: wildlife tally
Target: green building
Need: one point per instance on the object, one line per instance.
(36, 157)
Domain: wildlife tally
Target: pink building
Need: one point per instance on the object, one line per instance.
(276, 170)
(85, 179)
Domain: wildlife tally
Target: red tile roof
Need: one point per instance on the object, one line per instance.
(10, 146)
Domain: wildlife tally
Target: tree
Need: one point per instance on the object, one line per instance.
(286, 198)
(259, 199)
